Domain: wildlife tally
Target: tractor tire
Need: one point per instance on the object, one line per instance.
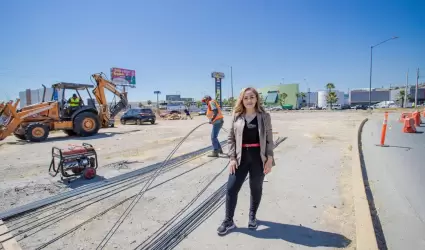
(86, 124)
(69, 132)
(20, 137)
(36, 132)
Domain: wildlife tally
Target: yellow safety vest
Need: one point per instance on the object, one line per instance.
(210, 113)
(74, 102)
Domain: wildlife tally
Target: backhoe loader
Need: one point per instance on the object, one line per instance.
(34, 122)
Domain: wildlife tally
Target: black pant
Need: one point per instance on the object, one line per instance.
(250, 163)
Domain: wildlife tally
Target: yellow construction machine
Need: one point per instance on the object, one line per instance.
(34, 122)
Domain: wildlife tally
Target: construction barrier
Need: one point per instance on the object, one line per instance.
(404, 115)
(417, 117)
(409, 125)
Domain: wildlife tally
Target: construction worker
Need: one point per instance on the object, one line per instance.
(186, 111)
(216, 119)
(74, 103)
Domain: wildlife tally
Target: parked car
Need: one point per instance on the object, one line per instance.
(138, 116)
(202, 112)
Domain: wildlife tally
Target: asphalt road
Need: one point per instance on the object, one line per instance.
(396, 176)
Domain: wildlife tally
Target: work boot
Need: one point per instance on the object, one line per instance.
(213, 154)
(220, 151)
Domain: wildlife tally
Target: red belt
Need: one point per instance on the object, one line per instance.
(251, 145)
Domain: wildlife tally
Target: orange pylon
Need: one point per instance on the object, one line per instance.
(384, 129)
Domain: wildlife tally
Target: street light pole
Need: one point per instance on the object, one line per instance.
(370, 73)
(231, 83)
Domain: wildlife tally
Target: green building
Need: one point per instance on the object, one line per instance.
(270, 94)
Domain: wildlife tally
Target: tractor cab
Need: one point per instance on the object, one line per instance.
(64, 94)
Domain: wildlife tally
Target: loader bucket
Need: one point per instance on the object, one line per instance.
(6, 118)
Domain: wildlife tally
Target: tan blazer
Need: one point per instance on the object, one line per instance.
(266, 137)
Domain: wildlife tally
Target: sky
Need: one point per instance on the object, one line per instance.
(174, 45)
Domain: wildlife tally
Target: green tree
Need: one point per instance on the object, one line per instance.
(400, 97)
(198, 104)
(232, 101)
(261, 99)
(225, 102)
(329, 87)
(282, 98)
(331, 98)
(303, 95)
(149, 102)
(140, 104)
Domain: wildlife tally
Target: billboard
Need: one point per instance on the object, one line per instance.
(124, 77)
(172, 97)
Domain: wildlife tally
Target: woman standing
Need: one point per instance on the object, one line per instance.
(251, 151)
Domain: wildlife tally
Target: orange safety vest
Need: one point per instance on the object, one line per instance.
(210, 113)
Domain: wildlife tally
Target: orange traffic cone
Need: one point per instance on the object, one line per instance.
(417, 118)
(409, 126)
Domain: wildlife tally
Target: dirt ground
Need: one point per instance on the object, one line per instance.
(310, 186)
(24, 170)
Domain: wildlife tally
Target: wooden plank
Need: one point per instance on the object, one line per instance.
(10, 244)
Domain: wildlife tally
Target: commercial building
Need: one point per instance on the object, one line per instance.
(311, 99)
(270, 93)
(322, 98)
(361, 96)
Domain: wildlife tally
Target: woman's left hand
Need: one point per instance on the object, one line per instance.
(268, 166)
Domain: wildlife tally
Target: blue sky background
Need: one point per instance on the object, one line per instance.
(174, 45)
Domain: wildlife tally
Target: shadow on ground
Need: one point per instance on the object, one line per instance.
(78, 181)
(100, 135)
(296, 234)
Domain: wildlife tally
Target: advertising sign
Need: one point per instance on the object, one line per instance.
(217, 77)
(172, 97)
(124, 77)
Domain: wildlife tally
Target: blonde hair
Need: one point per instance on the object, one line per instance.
(240, 108)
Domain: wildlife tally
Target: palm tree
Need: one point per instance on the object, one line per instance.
(329, 87)
(282, 98)
(298, 95)
(331, 98)
(400, 97)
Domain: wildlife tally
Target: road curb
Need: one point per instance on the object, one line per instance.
(365, 233)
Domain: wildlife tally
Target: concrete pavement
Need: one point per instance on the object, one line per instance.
(396, 177)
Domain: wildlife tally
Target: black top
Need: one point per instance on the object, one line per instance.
(250, 132)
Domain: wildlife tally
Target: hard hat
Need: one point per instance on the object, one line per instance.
(206, 98)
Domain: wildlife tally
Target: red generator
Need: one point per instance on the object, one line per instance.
(74, 161)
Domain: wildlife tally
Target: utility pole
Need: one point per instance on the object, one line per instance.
(405, 91)
(416, 89)
(309, 97)
(231, 84)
